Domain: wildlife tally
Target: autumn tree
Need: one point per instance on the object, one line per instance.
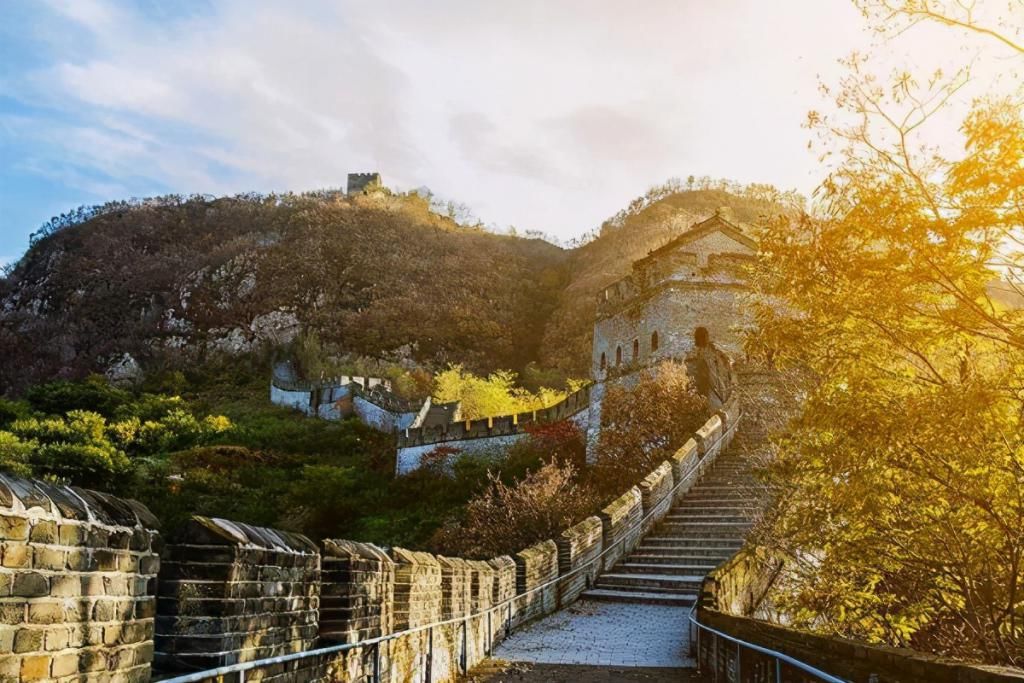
(900, 485)
(507, 517)
(644, 424)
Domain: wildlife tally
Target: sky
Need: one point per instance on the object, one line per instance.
(543, 115)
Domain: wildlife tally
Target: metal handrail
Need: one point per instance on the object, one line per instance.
(241, 668)
(778, 656)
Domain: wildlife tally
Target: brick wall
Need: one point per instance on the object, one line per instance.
(535, 566)
(231, 592)
(357, 591)
(684, 462)
(656, 494)
(77, 584)
(579, 545)
(619, 519)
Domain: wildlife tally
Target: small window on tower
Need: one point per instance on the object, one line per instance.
(604, 361)
(636, 349)
(618, 355)
(654, 342)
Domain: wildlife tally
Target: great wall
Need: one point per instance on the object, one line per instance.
(90, 590)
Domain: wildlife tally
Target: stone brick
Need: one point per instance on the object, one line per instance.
(48, 558)
(44, 531)
(35, 668)
(10, 669)
(64, 665)
(28, 640)
(56, 639)
(13, 528)
(30, 585)
(65, 586)
(71, 534)
(16, 555)
(12, 612)
(46, 613)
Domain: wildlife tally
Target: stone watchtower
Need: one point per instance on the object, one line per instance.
(691, 283)
(363, 182)
(680, 302)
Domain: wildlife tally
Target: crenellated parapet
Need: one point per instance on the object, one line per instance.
(84, 593)
(489, 427)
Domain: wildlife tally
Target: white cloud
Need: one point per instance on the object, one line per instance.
(545, 115)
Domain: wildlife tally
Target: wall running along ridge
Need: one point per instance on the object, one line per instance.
(78, 593)
(419, 428)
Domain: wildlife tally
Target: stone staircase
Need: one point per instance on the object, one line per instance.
(703, 529)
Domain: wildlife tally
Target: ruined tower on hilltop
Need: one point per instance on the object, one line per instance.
(363, 182)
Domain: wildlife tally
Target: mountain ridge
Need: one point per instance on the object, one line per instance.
(180, 281)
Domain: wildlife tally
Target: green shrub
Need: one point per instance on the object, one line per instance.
(94, 394)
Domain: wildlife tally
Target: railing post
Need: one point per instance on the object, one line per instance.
(508, 619)
(739, 656)
(490, 635)
(464, 659)
(778, 670)
(430, 655)
(376, 662)
(715, 659)
(241, 676)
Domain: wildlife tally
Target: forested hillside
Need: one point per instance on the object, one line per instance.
(180, 281)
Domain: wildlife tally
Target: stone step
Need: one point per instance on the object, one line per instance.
(642, 597)
(684, 554)
(654, 582)
(691, 569)
(703, 529)
(681, 541)
(712, 558)
(707, 516)
(719, 504)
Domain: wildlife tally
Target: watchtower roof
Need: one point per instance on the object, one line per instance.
(718, 222)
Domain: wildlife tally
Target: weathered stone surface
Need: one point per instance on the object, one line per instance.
(233, 592)
(656, 494)
(708, 437)
(579, 548)
(620, 520)
(357, 591)
(685, 467)
(536, 566)
(61, 608)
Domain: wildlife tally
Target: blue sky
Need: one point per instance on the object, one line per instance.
(541, 115)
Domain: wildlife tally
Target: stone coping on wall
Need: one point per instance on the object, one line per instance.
(217, 531)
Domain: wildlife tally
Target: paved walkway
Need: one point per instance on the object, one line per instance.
(506, 672)
(605, 634)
